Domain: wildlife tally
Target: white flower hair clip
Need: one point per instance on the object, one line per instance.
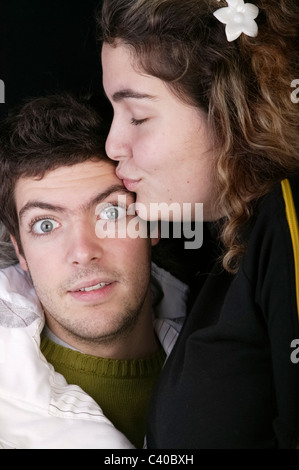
(239, 18)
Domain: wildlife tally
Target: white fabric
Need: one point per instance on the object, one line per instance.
(38, 409)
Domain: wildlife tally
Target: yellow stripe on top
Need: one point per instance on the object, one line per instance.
(294, 229)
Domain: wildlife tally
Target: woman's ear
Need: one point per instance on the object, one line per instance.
(21, 258)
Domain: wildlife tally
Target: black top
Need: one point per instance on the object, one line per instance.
(230, 381)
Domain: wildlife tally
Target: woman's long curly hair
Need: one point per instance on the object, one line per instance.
(244, 87)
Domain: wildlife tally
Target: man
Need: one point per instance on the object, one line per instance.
(78, 301)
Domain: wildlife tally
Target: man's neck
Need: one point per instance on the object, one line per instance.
(54, 338)
(138, 342)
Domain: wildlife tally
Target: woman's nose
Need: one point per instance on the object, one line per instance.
(117, 143)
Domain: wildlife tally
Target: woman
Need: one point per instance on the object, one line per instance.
(203, 113)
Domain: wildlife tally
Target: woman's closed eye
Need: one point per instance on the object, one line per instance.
(138, 122)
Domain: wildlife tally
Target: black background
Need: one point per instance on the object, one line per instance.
(48, 46)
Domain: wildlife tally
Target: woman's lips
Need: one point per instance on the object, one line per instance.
(130, 184)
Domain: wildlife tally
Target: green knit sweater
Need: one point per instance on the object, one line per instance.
(122, 388)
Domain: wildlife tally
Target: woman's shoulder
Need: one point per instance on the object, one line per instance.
(277, 203)
(273, 234)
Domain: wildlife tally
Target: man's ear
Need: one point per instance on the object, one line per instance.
(155, 233)
(21, 258)
(155, 240)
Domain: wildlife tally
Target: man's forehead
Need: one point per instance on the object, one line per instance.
(69, 186)
(67, 174)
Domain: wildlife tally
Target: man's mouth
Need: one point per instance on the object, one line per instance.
(100, 285)
(97, 289)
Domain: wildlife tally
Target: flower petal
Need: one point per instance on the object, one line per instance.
(251, 11)
(250, 28)
(235, 3)
(224, 15)
(233, 31)
(239, 18)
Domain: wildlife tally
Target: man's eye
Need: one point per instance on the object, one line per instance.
(112, 213)
(44, 226)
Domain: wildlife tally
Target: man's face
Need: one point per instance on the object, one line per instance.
(93, 290)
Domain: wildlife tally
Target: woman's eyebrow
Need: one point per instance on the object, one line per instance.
(128, 93)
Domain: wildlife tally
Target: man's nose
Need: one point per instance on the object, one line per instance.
(83, 246)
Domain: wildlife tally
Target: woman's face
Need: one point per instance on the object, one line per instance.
(162, 144)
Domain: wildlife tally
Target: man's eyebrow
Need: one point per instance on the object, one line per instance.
(128, 93)
(116, 188)
(39, 205)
